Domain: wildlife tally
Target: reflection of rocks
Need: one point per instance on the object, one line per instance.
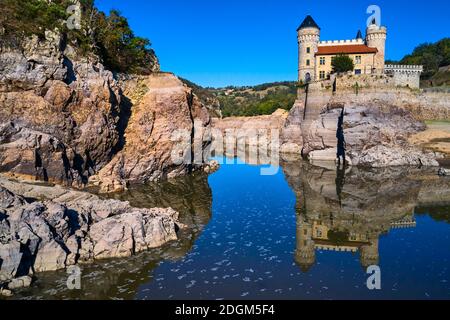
(348, 211)
(190, 196)
(73, 227)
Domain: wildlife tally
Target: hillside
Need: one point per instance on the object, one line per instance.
(232, 101)
(435, 57)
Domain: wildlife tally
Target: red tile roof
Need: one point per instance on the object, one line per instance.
(345, 49)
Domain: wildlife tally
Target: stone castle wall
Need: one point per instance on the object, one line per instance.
(405, 75)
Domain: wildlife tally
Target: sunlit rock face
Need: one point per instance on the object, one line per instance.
(349, 210)
(58, 114)
(64, 118)
(374, 133)
(167, 133)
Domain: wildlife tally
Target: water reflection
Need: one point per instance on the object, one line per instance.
(121, 278)
(283, 237)
(349, 210)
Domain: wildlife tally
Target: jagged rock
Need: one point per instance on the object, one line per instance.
(58, 117)
(5, 292)
(74, 227)
(166, 126)
(21, 282)
(443, 172)
(375, 135)
(10, 257)
(63, 118)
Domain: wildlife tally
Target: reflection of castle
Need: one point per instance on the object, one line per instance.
(348, 211)
(321, 235)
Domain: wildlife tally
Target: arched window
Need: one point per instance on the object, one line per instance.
(307, 77)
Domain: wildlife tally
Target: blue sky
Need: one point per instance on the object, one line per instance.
(248, 42)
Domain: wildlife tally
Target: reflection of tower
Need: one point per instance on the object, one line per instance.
(305, 255)
(369, 253)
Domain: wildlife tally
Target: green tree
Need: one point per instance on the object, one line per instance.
(431, 55)
(108, 36)
(342, 63)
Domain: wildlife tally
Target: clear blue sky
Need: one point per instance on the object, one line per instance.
(247, 42)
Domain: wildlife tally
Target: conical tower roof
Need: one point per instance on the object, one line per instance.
(308, 23)
(359, 35)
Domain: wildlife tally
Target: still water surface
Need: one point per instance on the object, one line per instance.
(308, 232)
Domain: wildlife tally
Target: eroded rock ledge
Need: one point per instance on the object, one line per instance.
(65, 119)
(72, 228)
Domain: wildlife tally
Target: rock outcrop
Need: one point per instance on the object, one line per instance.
(58, 115)
(73, 227)
(167, 133)
(259, 131)
(373, 134)
(373, 137)
(64, 118)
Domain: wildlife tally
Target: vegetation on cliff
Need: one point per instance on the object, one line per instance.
(108, 36)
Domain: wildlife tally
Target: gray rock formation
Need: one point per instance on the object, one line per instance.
(74, 227)
(64, 118)
(374, 135)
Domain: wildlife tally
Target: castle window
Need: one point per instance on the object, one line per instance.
(322, 61)
(357, 71)
(308, 62)
(308, 50)
(322, 74)
(358, 60)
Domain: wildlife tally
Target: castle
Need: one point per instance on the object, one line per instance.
(368, 55)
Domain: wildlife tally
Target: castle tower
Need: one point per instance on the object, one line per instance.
(308, 43)
(305, 253)
(376, 38)
(370, 254)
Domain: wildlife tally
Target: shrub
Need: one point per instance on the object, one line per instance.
(342, 63)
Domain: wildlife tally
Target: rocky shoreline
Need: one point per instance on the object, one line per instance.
(45, 228)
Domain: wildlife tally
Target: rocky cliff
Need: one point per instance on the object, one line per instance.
(375, 132)
(63, 118)
(167, 133)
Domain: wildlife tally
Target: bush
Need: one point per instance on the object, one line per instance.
(108, 36)
(342, 63)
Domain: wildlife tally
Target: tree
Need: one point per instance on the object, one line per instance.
(108, 36)
(342, 63)
(431, 56)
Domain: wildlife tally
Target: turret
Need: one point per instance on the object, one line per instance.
(305, 254)
(308, 43)
(369, 254)
(376, 38)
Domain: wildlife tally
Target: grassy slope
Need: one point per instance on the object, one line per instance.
(258, 100)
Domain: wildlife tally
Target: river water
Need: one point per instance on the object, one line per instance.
(307, 232)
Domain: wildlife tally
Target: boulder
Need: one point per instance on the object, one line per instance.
(166, 136)
(76, 227)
